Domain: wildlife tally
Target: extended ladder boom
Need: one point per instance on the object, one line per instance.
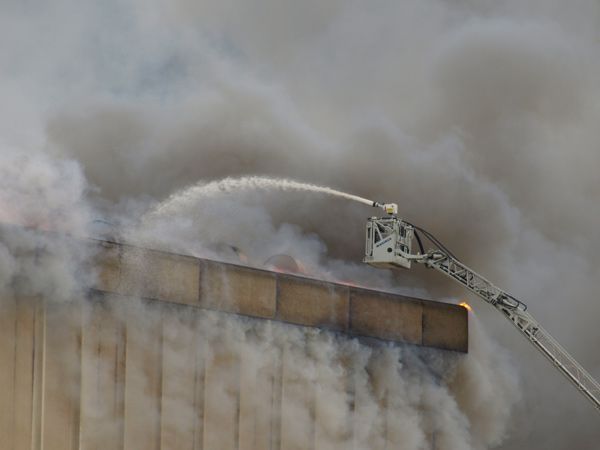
(388, 245)
(515, 311)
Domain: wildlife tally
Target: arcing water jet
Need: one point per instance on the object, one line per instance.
(227, 185)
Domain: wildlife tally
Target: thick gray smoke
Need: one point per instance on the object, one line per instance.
(39, 193)
(479, 118)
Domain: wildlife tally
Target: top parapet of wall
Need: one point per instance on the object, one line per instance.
(132, 271)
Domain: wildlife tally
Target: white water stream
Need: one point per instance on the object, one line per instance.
(194, 193)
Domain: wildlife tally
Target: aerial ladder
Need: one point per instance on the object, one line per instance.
(389, 245)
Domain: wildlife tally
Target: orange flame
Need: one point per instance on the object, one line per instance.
(466, 306)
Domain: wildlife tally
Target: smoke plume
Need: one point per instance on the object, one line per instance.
(478, 118)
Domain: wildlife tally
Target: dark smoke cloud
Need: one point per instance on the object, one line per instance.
(479, 118)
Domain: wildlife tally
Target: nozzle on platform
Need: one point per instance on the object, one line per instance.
(390, 208)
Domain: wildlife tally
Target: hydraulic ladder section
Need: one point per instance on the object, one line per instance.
(515, 311)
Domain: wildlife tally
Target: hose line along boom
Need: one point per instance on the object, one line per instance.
(389, 245)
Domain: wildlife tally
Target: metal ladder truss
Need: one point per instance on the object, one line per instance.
(516, 312)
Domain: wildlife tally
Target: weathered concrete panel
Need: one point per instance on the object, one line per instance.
(178, 408)
(365, 433)
(107, 262)
(158, 275)
(256, 408)
(159, 374)
(238, 289)
(199, 362)
(276, 399)
(148, 374)
(38, 374)
(102, 377)
(333, 431)
(445, 326)
(61, 376)
(248, 403)
(221, 401)
(258, 293)
(312, 303)
(7, 356)
(25, 356)
(297, 402)
(20, 358)
(385, 316)
(143, 371)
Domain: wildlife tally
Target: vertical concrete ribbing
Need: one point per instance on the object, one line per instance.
(7, 374)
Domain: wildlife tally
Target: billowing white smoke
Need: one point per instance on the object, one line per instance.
(479, 118)
(207, 218)
(40, 193)
(339, 392)
(399, 397)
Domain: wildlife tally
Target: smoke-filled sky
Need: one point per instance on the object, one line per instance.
(478, 117)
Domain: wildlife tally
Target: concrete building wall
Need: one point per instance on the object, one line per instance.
(113, 371)
(288, 298)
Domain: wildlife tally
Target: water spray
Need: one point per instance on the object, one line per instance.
(228, 185)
